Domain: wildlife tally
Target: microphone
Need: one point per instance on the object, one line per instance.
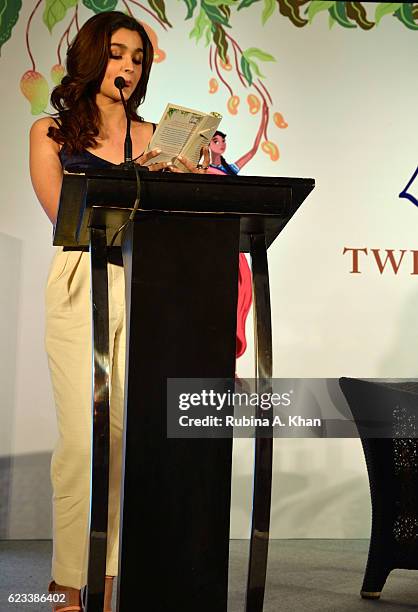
(120, 83)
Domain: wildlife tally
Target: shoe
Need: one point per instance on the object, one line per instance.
(52, 589)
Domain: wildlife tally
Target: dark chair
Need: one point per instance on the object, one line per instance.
(392, 465)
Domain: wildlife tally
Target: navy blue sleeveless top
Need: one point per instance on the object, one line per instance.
(85, 160)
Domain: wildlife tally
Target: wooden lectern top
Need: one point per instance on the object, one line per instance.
(105, 197)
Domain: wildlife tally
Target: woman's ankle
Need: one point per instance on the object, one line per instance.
(108, 592)
(72, 595)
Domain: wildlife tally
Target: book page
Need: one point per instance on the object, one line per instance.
(201, 137)
(182, 131)
(173, 131)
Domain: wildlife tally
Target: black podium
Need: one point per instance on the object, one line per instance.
(180, 256)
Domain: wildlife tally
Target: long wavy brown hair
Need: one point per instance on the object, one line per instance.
(87, 57)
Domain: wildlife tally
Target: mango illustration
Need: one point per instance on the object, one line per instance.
(225, 65)
(271, 149)
(159, 54)
(35, 88)
(253, 103)
(57, 72)
(279, 121)
(213, 86)
(233, 104)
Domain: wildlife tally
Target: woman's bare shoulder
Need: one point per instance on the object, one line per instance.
(39, 131)
(42, 125)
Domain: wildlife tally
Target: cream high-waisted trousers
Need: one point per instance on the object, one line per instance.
(69, 347)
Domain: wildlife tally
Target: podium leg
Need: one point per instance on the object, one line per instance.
(100, 422)
(181, 281)
(257, 567)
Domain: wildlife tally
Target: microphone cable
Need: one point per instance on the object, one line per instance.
(120, 83)
(135, 208)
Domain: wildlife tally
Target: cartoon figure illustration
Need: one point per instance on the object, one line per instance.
(217, 161)
(219, 165)
(245, 296)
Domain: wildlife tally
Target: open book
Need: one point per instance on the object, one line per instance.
(182, 131)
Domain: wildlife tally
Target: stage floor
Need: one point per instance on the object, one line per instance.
(313, 575)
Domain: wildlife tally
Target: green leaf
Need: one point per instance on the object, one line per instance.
(246, 69)
(9, 14)
(214, 13)
(290, 9)
(246, 3)
(316, 6)
(386, 8)
(405, 14)
(200, 24)
(339, 13)
(259, 54)
(220, 2)
(331, 21)
(268, 10)
(225, 10)
(220, 41)
(55, 11)
(159, 7)
(357, 12)
(208, 35)
(100, 6)
(256, 69)
(191, 5)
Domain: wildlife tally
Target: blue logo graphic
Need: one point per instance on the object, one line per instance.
(405, 194)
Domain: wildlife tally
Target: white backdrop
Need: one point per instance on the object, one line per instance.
(348, 98)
